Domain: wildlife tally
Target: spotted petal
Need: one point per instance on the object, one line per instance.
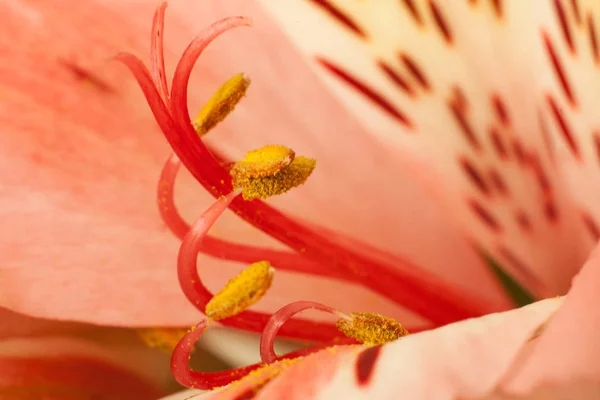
(85, 241)
(466, 91)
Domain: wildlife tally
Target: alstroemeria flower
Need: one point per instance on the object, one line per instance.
(545, 351)
(275, 169)
(60, 360)
(451, 130)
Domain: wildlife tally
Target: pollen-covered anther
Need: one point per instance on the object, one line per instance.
(241, 292)
(269, 171)
(370, 328)
(221, 103)
(164, 339)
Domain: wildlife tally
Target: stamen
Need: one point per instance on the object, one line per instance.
(367, 328)
(223, 249)
(370, 328)
(209, 380)
(221, 103)
(164, 339)
(288, 178)
(194, 289)
(270, 171)
(282, 316)
(259, 163)
(245, 289)
(391, 276)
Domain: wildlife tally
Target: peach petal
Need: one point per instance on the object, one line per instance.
(569, 349)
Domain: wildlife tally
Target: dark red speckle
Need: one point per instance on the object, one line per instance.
(519, 151)
(559, 70)
(596, 137)
(342, 18)
(500, 109)
(497, 4)
(576, 12)
(366, 91)
(410, 5)
(415, 71)
(365, 364)
(474, 175)
(484, 215)
(550, 210)
(248, 394)
(440, 21)
(523, 220)
(564, 127)
(593, 38)
(498, 143)
(396, 78)
(459, 108)
(498, 182)
(564, 24)
(84, 75)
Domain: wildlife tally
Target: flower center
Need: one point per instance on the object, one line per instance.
(268, 171)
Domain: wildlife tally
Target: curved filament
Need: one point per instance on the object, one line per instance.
(267, 339)
(199, 295)
(209, 380)
(219, 248)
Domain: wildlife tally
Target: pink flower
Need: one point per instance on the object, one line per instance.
(86, 154)
(435, 146)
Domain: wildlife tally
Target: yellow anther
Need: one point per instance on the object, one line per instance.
(259, 163)
(241, 292)
(270, 175)
(221, 103)
(163, 339)
(370, 328)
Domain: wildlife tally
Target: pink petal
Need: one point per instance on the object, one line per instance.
(86, 242)
(65, 360)
(569, 349)
(55, 367)
(462, 359)
(458, 87)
